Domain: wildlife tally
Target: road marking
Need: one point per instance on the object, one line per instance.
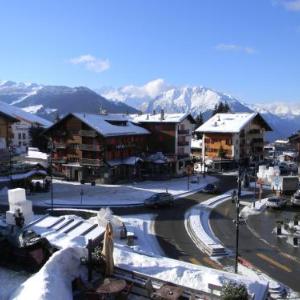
(274, 262)
(195, 261)
(212, 263)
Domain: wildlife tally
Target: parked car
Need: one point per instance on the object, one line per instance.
(211, 189)
(159, 200)
(276, 202)
(295, 199)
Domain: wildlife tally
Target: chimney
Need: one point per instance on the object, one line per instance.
(162, 114)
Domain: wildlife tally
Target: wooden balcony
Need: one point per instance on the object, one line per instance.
(90, 147)
(88, 133)
(91, 162)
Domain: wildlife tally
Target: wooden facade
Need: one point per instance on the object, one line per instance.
(6, 134)
(83, 153)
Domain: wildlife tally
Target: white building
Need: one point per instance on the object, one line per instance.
(234, 136)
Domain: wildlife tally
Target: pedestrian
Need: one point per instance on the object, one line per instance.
(233, 196)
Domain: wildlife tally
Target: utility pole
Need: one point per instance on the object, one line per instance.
(237, 221)
(51, 147)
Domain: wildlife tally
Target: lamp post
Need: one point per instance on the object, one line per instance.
(10, 165)
(237, 221)
(51, 148)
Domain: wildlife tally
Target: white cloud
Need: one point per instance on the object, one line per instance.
(292, 5)
(149, 90)
(91, 63)
(235, 48)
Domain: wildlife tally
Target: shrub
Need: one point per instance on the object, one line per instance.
(234, 291)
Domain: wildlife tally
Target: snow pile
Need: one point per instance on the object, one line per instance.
(249, 210)
(183, 273)
(34, 153)
(54, 280)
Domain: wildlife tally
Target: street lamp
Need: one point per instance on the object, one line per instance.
(237, 221)
(51, 148)
(10, 148)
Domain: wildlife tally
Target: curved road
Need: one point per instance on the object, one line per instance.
(171, 232)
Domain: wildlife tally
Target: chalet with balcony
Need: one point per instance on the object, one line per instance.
(170, 137)
(101, 147)
(234, 137)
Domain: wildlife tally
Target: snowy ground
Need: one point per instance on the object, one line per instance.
(68, 193)
(53, 280)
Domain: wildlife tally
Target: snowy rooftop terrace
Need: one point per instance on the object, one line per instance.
(227, 122)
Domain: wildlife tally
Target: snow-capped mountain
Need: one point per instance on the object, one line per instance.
(48, 101)
(284, 119)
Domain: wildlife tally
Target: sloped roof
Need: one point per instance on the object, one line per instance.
(19, 114)
(230, 122)
(100, 123)
(156, 118)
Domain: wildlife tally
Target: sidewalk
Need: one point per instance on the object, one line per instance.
(68, 194)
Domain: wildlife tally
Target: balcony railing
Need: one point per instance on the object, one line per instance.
(183, 132)
(59, 160)
(90, 147)
(88, 133)
(91, 162)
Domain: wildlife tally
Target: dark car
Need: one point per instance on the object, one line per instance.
(159, 200)
(211, 189)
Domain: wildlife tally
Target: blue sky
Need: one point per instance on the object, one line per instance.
(248, 48)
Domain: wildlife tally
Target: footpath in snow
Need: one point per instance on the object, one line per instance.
(68, 194)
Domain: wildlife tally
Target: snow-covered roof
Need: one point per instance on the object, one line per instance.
(156, 118)
(101, 124)
(227, 122)
(196, 144)
(18, 113)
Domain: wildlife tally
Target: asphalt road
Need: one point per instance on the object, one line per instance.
(171, 232)
(258, 245)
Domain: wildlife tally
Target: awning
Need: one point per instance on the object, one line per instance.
(131, 161)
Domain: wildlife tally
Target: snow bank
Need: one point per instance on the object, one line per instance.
(249, 210)
(54, 280)
(183, 273)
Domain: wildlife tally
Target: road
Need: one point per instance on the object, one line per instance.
(171, 232)
(258, 245)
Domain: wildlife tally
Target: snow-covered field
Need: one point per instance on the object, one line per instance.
(68, 193)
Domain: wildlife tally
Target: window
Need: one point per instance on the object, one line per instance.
(24, 135)
(20, 136)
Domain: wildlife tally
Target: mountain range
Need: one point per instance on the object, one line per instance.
(48, 101)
